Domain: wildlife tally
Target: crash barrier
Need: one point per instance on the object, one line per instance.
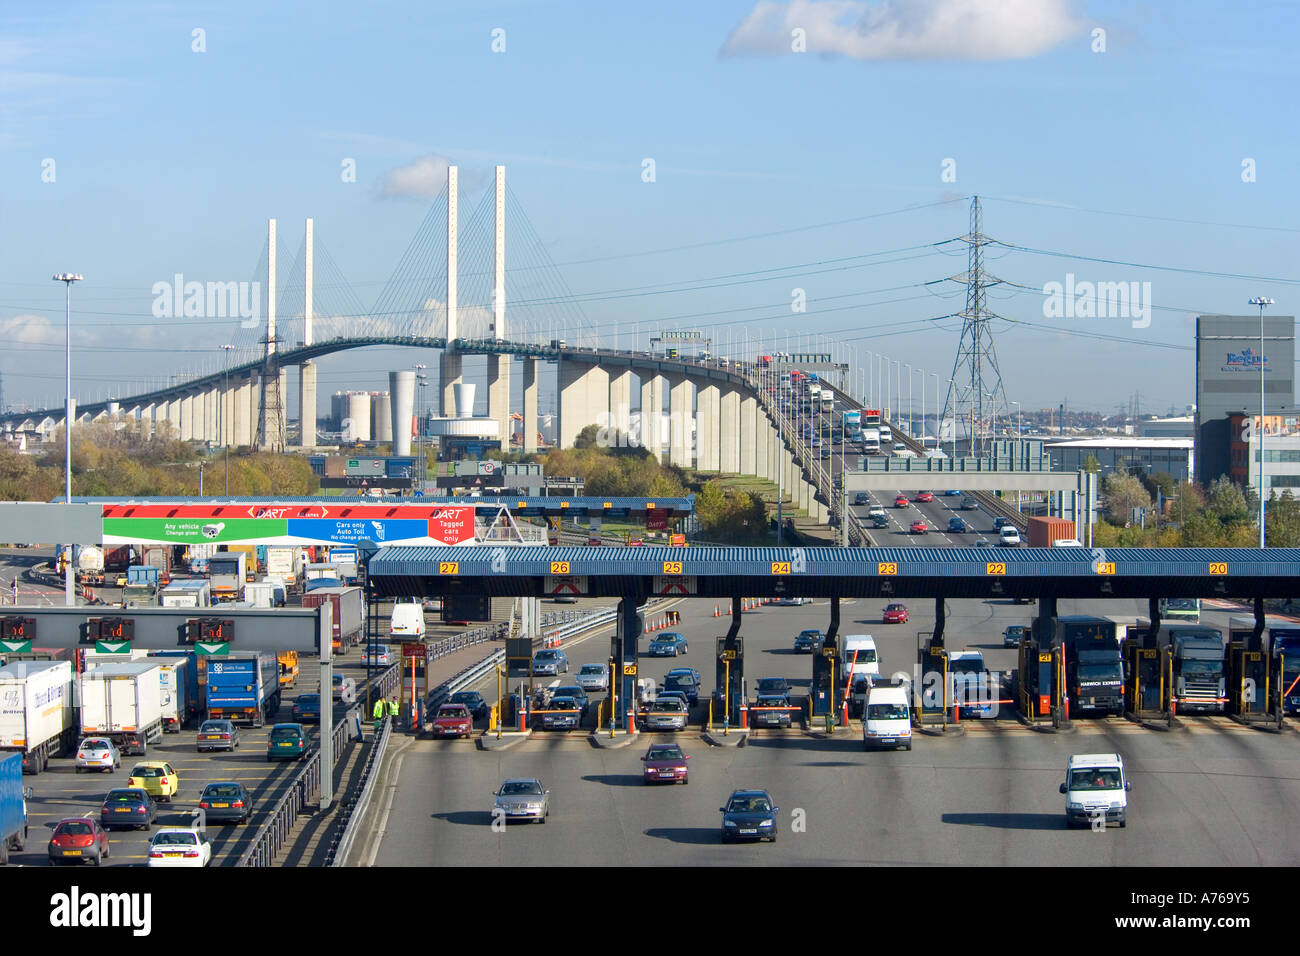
(354, 810)
(273, 833)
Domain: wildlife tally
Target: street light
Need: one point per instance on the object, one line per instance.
(67, 278)
(1261, 301)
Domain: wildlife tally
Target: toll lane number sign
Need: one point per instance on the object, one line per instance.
(886, 567)
(449, 567)
(1218, 567)
(780, 567)
(559, 567)
(672, 567)
(995, 567)
(629, 670)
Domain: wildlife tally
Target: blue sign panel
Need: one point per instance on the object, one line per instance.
(345, 530)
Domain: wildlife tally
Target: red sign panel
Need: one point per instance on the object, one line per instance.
(452, 524)
(656, 519)
(413, 650)
(454, 515)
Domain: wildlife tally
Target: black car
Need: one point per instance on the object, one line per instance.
(771, 710)
(685, 684)
(957, 525)
(862, 498)
(577, 693)
(226, 802)
(774, 687)
(471, 699)
(807, 642)
(128, 807)
(749, 815)
(1012, 635)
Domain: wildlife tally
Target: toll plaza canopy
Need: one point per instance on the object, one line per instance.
(715, 572)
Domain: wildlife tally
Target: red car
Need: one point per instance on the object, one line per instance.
(925, 496)
(77, 839)
(901, 501)
(920, 527)
(453, 720)
(665, 763)
(895, 614)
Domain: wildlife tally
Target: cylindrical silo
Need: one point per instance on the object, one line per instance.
(338, 410)
(464, 393)
(401, 387)
(356, 426)
(381, 417)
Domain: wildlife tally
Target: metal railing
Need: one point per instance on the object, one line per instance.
(353, 810)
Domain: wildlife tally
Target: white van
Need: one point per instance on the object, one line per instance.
(407, 623)
(887, 720)
(1096, 790)
(861, 670)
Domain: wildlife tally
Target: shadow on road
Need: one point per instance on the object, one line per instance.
(1008, 821)
(468, 818)
(616, 779)
(695, 836)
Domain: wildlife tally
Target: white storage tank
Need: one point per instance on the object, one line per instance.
(357, 423)
(381, 417)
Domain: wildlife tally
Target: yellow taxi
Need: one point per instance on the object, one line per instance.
(157, 778)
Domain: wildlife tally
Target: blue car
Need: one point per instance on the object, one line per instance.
(749, 815)
(684, 684)
(957, 524)
(952, 494)
(668, 644)
(306, 709)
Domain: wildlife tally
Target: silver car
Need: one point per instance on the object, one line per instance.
(667, 713)
(98, 753)
(593, 677)
(522, 798)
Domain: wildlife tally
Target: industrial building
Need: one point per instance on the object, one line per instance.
(1174, 456)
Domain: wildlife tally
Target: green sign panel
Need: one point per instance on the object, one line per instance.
(194, 530)
(212, 648)
(16, 647)
(112, 647)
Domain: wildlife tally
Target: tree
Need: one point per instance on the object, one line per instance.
(1225, 501)
(587, 437)
(1091, 465)
(1123, 493)
(1282, 521)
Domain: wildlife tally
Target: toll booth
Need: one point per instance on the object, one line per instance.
(1042, 676)
(827, 677)
(1145, 680)
(730, 677)
(1249, 681)
(623, 645)
(932, 691)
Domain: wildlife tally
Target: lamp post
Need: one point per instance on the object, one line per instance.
(1016, 464)
(225, 397)
(1261, 301)
(421, 380)
(69, 580)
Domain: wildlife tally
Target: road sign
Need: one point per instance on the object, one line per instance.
(211, 648)
(629, 670)
(674, 585)
(16, 647)
(575, 584)
(414, 650)
(112, 647)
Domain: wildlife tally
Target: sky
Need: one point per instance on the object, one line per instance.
(683, 165)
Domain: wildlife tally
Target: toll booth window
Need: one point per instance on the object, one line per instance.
(886, 712)
(1095, 779)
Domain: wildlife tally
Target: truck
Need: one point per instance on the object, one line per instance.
(141, 585)
(189, 593)
(192, 700)
(1043, 531)
(871, 440)
(13, 806)
(250, 558)
(345, 558)
(226, 571)
(852, 425)
(197, 557)
(1094, 664)
(36, 716)
(349, 613)
(269, 592)
(284, 565)
(827, 401)
(244, 687)
(1182, 610)
(123, 701)
(288, 661)
(1196, 655)
(90, 565)
(1281, 642)
(158, 556)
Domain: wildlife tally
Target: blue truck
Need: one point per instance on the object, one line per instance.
(13, 806)
(242, 687)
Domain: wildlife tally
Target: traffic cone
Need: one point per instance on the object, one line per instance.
(715, 610)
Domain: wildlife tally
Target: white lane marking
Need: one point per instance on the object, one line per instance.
(394, 774)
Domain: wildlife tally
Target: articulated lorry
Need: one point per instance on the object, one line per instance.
(226, 573)
(1094, 664)
(123, 701)
(349, 613)
(13, 806)
(243, 687)
(188, 593)
(36, 711)
(141, 585)
(1197, 656)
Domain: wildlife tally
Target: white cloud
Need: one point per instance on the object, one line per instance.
(907, 29)
(30, 330)
(422, 179)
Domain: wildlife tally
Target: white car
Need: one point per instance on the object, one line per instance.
(1009, 537)
(876, 511)
(179, 846)
(593, 677)
(382, 656)
(98, 753)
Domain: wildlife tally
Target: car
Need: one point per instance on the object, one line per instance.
(957, 525)
(879, 521)
(565, 599)
(306, 708)
(550, 661)
(862, 498)
(925, 496)
(826, 452)
(575, 691)
(1096, 790)
(593, 677)
(667, 712)
(808, 641)
(287, 742)
(453, 720)
(471, 699)
(667, 644)
(1000, 522)
(1014, 634)
(689, 671)
(98, 753)
(665, 763)
(155, 777)
(901, 501)
(676, 695)
(226, 802)
(952, 494)
(774, 687)
(78, 839)
(562, 713)
(983, 543)
(380, 655)
(686, 683)
(432, 604)
(749, 815)
(771, 710)
(128, 807)
(791, 601)
(1009, 537)
(895, 614)
(920, 527)
(522, 798)
(217, 735)
(179, 846)
(876, 511)
(969, 504)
